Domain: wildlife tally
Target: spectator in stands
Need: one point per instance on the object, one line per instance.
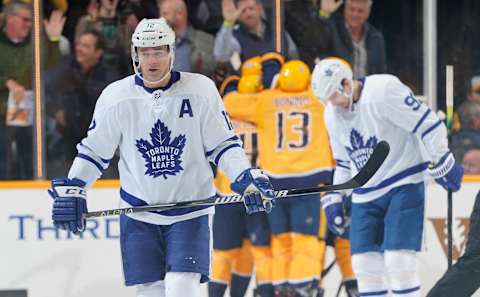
(311, 34)
(102, 17)
(246, 31)
(205, 15)
(193, 48)
(48, 6)
(474, 90)
(471, 161)
(354, 39)
(16, 72)
(468, 137)
(72, 90)
(142, 8)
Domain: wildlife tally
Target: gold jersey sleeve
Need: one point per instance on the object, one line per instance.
(293, 137)
(248, 134)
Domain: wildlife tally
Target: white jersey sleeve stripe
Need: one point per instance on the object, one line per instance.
(234, 138)
(106, 161)
(220, 154)
(433, 127)
(422, 119)
(91, 160)
(343, 163)
(343, 166)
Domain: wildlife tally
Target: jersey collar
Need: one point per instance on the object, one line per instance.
(173, 79)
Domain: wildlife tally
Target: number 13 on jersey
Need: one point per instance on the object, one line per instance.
(293, 129)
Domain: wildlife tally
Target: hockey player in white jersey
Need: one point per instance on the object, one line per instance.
(387, 213)
(167, 126)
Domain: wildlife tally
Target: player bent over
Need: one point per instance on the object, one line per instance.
(387, 213)
(167, 125)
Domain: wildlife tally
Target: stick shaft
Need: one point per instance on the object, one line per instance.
(449, 124)
(363, 176)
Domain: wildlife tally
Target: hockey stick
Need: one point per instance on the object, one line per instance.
(449, 124)
(370, 168)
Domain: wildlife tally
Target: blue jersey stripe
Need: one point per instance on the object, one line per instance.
(343, 166)
(233, 138)
(393, 179)
(220, 154)
(424, 116)
(91, 160)
(135, 201)
(406, 291)
(431, 128)
(375, 293)
(106, 161)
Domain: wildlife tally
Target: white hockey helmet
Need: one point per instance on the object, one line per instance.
(152, 33)
(327, 78)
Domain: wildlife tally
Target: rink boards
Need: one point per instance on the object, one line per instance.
(46, 262)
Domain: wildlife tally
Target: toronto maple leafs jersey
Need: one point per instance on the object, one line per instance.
(386, 110)
(166, 138)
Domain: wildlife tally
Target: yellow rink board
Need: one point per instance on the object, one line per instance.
(114, 183)
(45, 184)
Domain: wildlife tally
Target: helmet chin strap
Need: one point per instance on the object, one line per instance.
(350, 97)
(157, 81)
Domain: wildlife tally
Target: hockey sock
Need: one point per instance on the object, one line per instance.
(369, 270)
(305, 259)
(181, 284)
(282, 256)
(216, 289)
(402, 269)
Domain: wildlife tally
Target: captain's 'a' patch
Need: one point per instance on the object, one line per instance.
(163, 156)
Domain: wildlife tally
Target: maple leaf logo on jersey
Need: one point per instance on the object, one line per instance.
(328, 72)
(162, 156)
(360, 151)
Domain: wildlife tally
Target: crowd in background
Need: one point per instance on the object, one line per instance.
(86, 46)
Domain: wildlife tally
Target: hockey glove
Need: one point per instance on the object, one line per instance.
(69, 204)
(256, 189)
(271, 64)
(333, 205)
(447, 172)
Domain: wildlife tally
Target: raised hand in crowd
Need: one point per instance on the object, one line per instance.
(54, 24)
(92, 9)
(108, 8)
(330, 6)
(102, 8)
(230, 11)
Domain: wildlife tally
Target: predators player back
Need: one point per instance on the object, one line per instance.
(295, 153)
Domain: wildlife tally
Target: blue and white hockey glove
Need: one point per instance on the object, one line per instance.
(256, 189)
(447, 172)
(69, 204)
(333, 205)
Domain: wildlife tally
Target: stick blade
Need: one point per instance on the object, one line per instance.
(376, 160)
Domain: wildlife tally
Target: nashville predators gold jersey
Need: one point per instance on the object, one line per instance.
(293, 140)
